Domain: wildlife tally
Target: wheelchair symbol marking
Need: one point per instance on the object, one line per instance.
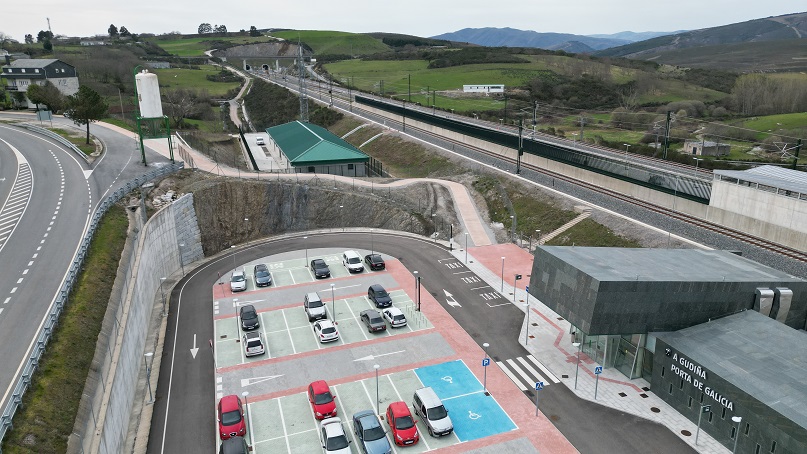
(448, 379)
(473, 415)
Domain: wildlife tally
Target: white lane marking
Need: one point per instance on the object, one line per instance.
(19, 281)
(14, 290)
(25, 272)
(1, 309)
(530, 369)
(520, 372)
(512, 377)
(30, 263)
(7, 300)
(543, 368)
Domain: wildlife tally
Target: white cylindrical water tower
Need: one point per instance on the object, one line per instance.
(148, 95)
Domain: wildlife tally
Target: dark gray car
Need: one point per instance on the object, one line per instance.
(262, 276)
(249, 317)
(370, 434)
(320, 268)
(373, 320)
(379, 296)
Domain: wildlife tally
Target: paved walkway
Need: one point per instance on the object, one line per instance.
(466, 209)
(552, 345)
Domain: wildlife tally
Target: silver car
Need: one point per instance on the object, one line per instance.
(238, 281)
(253, 343)
(370, 434)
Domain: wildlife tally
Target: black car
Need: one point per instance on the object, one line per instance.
(234, 445)
(374, 262)
(379, 296)
(320, 268)
(372, 319)
(249, 317)
(262, 276)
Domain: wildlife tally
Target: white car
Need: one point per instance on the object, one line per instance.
(260, 141)
(395, 317)
(326, 331)
(238, 281)
(253, 343)
(333, 437)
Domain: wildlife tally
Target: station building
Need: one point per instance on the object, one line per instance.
(637, 310)
(308, 148)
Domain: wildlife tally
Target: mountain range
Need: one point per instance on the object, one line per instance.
(511, 37)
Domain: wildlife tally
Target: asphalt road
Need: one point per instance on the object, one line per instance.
(56, 207)
(183, 417)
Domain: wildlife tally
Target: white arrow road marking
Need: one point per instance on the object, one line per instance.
(450, 299)
(371, 357)
(194, 349)
(255, 380)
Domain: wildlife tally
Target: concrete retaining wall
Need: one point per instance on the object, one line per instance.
(157, 255)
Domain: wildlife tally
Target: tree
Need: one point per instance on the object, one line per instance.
(180, 103)
(85, 107)
(29, 39)
(253, 31)
(47, 45)
(124, 31)
(221, 29)
(113, 31)
(205, 28)
(46, 94)
(4, 38)
(43, 35)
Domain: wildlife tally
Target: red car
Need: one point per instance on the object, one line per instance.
(231, 417)
(321, 399)
(404, 429)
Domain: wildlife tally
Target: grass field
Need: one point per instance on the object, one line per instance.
(49, 408)
(194, 79)
(776, 122)
(196, 47)
(325, 42)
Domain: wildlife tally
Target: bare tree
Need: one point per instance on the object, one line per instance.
(180, 104)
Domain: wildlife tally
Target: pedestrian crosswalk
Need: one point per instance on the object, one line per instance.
(524, 374)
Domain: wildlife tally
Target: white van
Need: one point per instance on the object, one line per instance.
(432, 412)
(352, 261)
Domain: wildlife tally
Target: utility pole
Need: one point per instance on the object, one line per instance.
(350, 92)
(667, 134)
(301, 83)
(330, 89)
(520, 148)
(535, 115)
(382, 88)
(796, 157)
(582, 125)
(410, 88)
(403, 114)
(505, 109)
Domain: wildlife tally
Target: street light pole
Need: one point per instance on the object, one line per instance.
(148, 375)
(333, 305)
(417, 288)
(527, 331)
(626, 154)
(377, 400)
(502, 274)
(162, 294)
(305, 240)
(736, 419)
(181, 262)
(704, 409)
(577, 370)
(246, 413)
(372, 242)
(466, 248)
(342, 217)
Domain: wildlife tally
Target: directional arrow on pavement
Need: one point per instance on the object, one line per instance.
(450, 299)
(255, 380)
(372, 357)
(194, 350)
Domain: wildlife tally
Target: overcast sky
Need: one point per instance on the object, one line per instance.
(413, 17)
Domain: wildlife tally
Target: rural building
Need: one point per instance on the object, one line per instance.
(702, 327)
(308, 148)
(497, 88)
(706, 148)
(20, 74)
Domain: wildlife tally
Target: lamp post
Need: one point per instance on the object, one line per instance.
(235, 306)
(577, 346)
(417, 288)
(333, 305)
(232, 248)
(736, 419)
(342, 217)
(527, 331)
(181, 262)
(372, 242)
(704, 409)
(305, 240)
(148, 375)
(246, 405)
(697, 161)
(574, 140)
(466, 248)
(162, 294)
(502, 274)
(512, 229)
(377, 400)
(486, 362)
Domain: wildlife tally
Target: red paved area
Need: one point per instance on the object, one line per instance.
(516, 261)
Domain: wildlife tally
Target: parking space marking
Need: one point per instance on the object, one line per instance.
(398, 393)
(293, 348)
(283, 424)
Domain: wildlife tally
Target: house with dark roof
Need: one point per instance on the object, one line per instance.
(20, 74)
(308, 148)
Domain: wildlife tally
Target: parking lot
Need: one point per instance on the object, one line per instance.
(279, 415)
(287, 424)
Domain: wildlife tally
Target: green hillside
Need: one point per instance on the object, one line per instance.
(196, 46)
(324, 42)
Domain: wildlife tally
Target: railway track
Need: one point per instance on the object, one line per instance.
(762, 243)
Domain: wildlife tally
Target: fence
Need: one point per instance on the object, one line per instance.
(52, 318)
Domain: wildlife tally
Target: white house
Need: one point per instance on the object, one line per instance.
(20, 74)
(496, 88)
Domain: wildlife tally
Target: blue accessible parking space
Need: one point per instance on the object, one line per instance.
(474, 414)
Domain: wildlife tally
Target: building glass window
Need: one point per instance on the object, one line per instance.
(350, 167)
(711, 414)
(22, 70)
(689, 403)
(756, 451)
(681, 386)
(701, 397)
(733, 432)
(723, 415)
(311, 169)
(670, 388)
(773, 447)
(662, 371)
(747, 428)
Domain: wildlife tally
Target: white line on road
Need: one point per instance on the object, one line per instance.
(543, 368)
(512, 377)
(7, 300)
(484, 286)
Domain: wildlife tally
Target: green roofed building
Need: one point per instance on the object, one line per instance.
(308, 148)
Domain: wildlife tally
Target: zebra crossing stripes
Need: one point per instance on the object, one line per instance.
(524, 375)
